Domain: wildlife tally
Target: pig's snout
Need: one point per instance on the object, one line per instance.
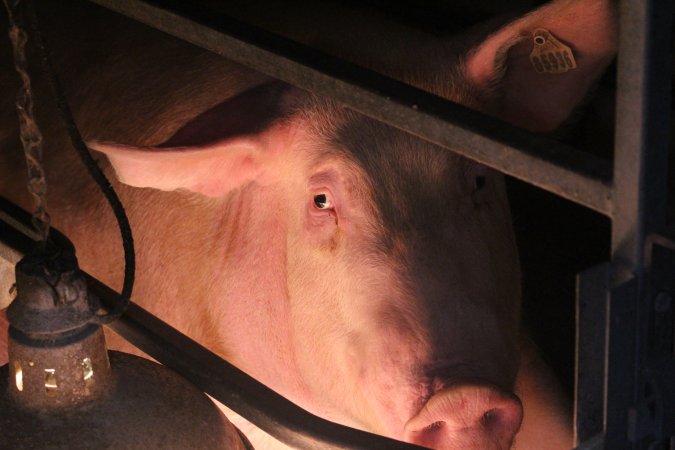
(467, 416)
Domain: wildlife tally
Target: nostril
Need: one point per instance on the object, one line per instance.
(467, 416)
(490, 418)
(503, 422)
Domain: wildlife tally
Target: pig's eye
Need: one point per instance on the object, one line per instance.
(321, 201)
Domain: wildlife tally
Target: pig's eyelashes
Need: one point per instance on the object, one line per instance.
(321, 201)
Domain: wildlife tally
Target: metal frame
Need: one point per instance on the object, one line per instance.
(619, 404)
(625, 384)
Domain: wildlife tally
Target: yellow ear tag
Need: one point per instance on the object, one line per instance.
(549, 55)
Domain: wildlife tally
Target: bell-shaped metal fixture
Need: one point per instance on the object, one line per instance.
(63, 390)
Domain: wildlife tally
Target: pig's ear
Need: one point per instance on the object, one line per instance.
(535, 97)
(229, 145)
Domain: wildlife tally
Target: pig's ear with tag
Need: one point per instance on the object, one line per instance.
(540, 67)
(219, 150)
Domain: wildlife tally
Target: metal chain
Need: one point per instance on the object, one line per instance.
(32, 141)
(31, 137)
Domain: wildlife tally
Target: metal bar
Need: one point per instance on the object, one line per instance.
(254, 401)
(543, 162)
(639, 205)
(659, 343)
(589, 383)
(620, 377)
(642, 128)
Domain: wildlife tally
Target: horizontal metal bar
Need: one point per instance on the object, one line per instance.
(543, 162)
(254, 401)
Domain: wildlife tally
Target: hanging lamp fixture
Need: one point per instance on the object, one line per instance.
(63, 390)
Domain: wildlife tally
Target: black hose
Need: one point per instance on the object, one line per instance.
(89, 162)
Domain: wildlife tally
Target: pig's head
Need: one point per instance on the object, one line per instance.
(386, 265)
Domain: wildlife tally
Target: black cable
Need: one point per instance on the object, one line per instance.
(90, 163)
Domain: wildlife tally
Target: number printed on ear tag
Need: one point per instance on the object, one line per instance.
(549, 55)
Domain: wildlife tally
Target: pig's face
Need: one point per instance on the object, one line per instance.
(373, 278)
(402, 269)
(390, 263)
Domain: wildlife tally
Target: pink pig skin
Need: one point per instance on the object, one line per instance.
(361, 272)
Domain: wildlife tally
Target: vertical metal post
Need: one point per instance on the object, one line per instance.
(640, 179)
(616, 377)
(591, 315)
(641, 151)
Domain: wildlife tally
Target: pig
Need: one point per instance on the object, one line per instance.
(368, 276)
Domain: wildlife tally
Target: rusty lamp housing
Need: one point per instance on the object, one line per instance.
(62, 389)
